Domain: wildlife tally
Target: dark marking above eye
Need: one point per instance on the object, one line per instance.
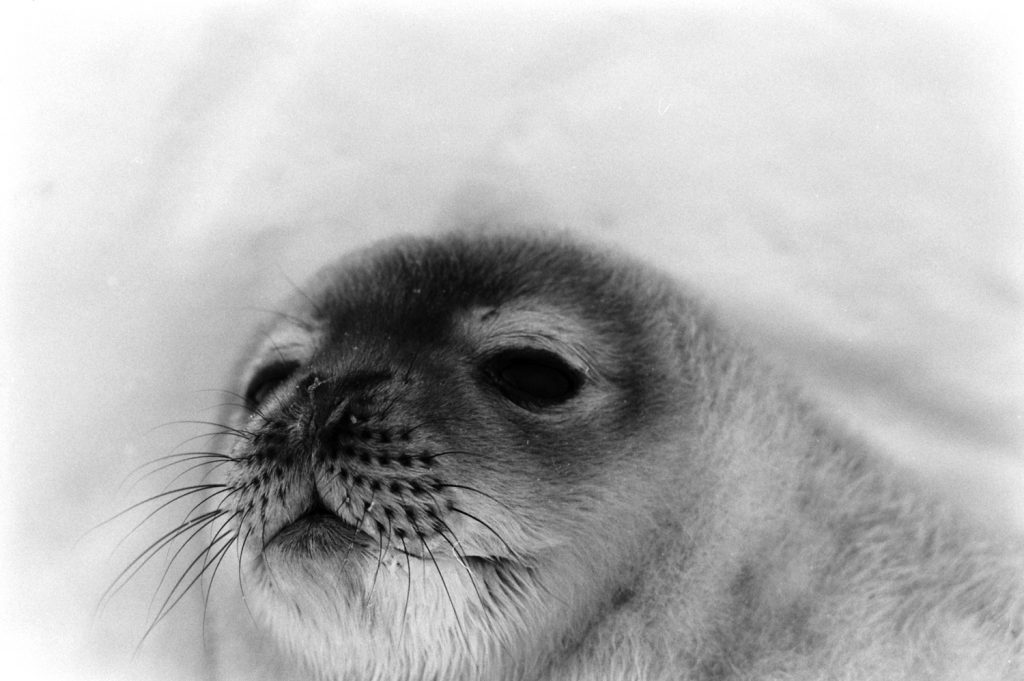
(267, 379)
(533, 378)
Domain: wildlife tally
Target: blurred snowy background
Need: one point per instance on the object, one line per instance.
(844, 180)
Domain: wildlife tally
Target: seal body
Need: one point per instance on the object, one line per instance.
(512, 456)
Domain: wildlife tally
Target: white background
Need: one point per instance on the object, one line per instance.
(844, 181)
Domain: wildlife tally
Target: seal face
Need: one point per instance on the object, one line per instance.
(437, 472)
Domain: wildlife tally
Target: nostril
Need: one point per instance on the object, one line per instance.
(337, 419)
(343, 405)
(308, 384)
(347, 419)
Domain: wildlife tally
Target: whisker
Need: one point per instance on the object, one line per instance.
(222, 428)
(461, 557)
(240, 406)
(458, 510)
(150, 551)
(192, 489)
(408, 587)
(174, 556)
(206, 459)
(210, 468)
(273, 343)
(241, 587)
(228, 393)
(241, 436)
(481, 493)
(444, 584)
(185, 490)
(433, 421)
(216, 533)
(167, 606)
(218, 538)
(160, 461)
(230, 491)
(376, 571)
(366, 509)
(300, 322)
(312, 303)
(213, 573)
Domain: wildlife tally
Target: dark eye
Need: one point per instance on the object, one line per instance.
(534, 378)
(266, 379)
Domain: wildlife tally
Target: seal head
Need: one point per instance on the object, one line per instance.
(444, 471)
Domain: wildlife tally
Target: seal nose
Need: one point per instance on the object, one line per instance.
(308, 384)
(339, 403)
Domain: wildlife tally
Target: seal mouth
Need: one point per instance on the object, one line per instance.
(318, 531)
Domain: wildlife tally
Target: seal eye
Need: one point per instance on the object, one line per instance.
(266, 379)
(534, 378)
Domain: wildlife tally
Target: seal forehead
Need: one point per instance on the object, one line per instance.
(432, 282)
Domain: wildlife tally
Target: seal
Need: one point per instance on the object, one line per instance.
(510, 455)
